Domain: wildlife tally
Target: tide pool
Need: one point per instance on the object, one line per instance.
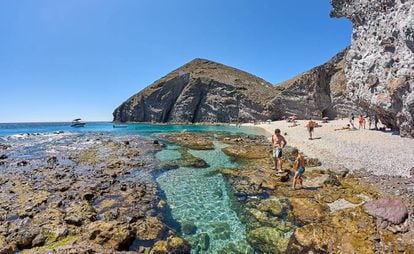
(199, 201)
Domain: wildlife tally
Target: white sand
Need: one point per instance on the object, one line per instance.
(380, 153)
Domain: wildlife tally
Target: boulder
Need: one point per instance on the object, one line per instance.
(390, 209)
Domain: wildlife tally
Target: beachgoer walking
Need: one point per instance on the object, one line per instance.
(278, 142)
(351, 120)
(298, 168)
(311, 126)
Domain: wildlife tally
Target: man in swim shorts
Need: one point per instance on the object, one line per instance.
(299, 167)
(311, 126)
(278, 142)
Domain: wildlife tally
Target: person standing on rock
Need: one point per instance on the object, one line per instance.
(278, 142)
(311, 126)
(298, 168)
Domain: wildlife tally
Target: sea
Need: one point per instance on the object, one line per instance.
(7, 129)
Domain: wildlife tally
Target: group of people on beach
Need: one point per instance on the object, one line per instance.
(362, 120)
(278, 143)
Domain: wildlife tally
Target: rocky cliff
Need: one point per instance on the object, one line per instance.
(318, 92)
(379, 66)
(201, 91)
(205, 91)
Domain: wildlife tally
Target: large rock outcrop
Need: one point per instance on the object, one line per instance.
(205, 91)
(201, 91)
(318, 92)
(379, 66)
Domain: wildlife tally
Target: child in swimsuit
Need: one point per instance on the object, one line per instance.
(299, 167)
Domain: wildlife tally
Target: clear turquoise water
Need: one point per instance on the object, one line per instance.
(7, 129)
(199, 196)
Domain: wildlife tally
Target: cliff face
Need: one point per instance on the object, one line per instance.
(201, 91)
(318, 92)
(379, 66)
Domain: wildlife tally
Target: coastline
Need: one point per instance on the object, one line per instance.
(101, 179)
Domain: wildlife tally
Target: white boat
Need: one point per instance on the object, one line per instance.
(77, 123)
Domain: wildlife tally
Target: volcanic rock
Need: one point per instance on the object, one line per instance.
(201, 91)
(379, 65)
(318, 92)
(392, 210)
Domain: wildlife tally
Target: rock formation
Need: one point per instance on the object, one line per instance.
(318, 92)
(205, 91)
(201, 91)
(379, 66)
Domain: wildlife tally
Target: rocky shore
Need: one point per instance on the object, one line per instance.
(82, 194)
(96, 193)
(336, 212)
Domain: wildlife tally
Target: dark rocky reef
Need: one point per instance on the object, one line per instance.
(201, 91)
(95, 194)
(379, 66)
(318, 92)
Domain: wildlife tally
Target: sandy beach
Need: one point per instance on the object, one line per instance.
(380, 153)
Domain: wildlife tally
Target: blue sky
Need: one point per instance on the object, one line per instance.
(81, 58)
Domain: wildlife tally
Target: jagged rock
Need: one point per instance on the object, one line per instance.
(268, 240)
(318, 92)
(112, 234)
(149, 228)
(379, 66)
(173, 244)
(308, 210)
(345, 231)
(339, 171)
(201, 91)
(392, 210)
(272, 206)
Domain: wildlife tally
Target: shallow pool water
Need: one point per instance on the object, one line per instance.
(199, 201)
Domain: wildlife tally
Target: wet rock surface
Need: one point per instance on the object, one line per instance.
(83, 194)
